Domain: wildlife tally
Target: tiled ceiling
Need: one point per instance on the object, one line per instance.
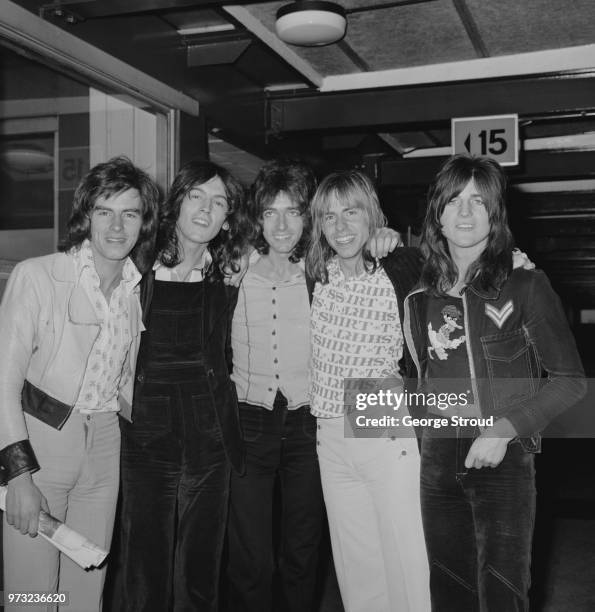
(438, 31)
(410, 35)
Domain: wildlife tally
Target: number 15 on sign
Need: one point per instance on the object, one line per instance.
(495, 136)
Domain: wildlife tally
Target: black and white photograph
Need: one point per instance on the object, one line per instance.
(297, 305)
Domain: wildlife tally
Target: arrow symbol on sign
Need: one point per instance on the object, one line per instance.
(467, 143)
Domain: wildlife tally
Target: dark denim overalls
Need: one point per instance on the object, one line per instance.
(175, 474)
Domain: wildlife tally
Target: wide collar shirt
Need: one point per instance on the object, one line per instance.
(197, 274)
(103, 374)
(355, 333)
(270, 339)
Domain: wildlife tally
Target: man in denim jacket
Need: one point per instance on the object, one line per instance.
(518, 347)
(479, 327)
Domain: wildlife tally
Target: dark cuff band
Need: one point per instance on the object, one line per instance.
(17, 458)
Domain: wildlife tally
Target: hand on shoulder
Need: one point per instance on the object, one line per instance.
(384, 241)
(520, 259)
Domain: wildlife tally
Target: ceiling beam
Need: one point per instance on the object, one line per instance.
(252, 24)
(223, 48)
(90, 9)
(551, 61)
(392, 142)
(383, 5)
(355, 59)
(423, 104)
(535, 166)
(570, 142)
(558, 187)
(471, 28)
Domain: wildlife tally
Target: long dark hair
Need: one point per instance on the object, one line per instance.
(226, 247)
(494, 264)
(297, 181)
(353, 188)
(105, 180)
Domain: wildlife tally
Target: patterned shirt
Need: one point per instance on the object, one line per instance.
(355, 333)
(99, 391)
(270, 339)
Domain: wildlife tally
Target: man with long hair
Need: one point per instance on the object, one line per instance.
(271, 347)
(70, 328)
(184, 437)
(370, 486)
(505, 328)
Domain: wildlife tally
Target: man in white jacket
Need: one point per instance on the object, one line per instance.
(70, 328)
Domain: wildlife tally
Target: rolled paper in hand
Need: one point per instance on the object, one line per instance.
(76, 546)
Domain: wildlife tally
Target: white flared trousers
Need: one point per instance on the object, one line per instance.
(371, 492)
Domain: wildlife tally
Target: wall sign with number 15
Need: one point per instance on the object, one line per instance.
(496, 136)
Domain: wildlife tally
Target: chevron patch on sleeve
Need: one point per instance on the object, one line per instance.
(499, 316)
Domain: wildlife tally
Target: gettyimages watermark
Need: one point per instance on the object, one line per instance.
(376, 407)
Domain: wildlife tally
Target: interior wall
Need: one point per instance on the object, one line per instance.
(118, 128)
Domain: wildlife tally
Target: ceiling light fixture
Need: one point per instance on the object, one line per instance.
(311, 23)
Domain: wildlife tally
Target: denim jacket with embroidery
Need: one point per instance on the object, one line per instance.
(524, 362)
